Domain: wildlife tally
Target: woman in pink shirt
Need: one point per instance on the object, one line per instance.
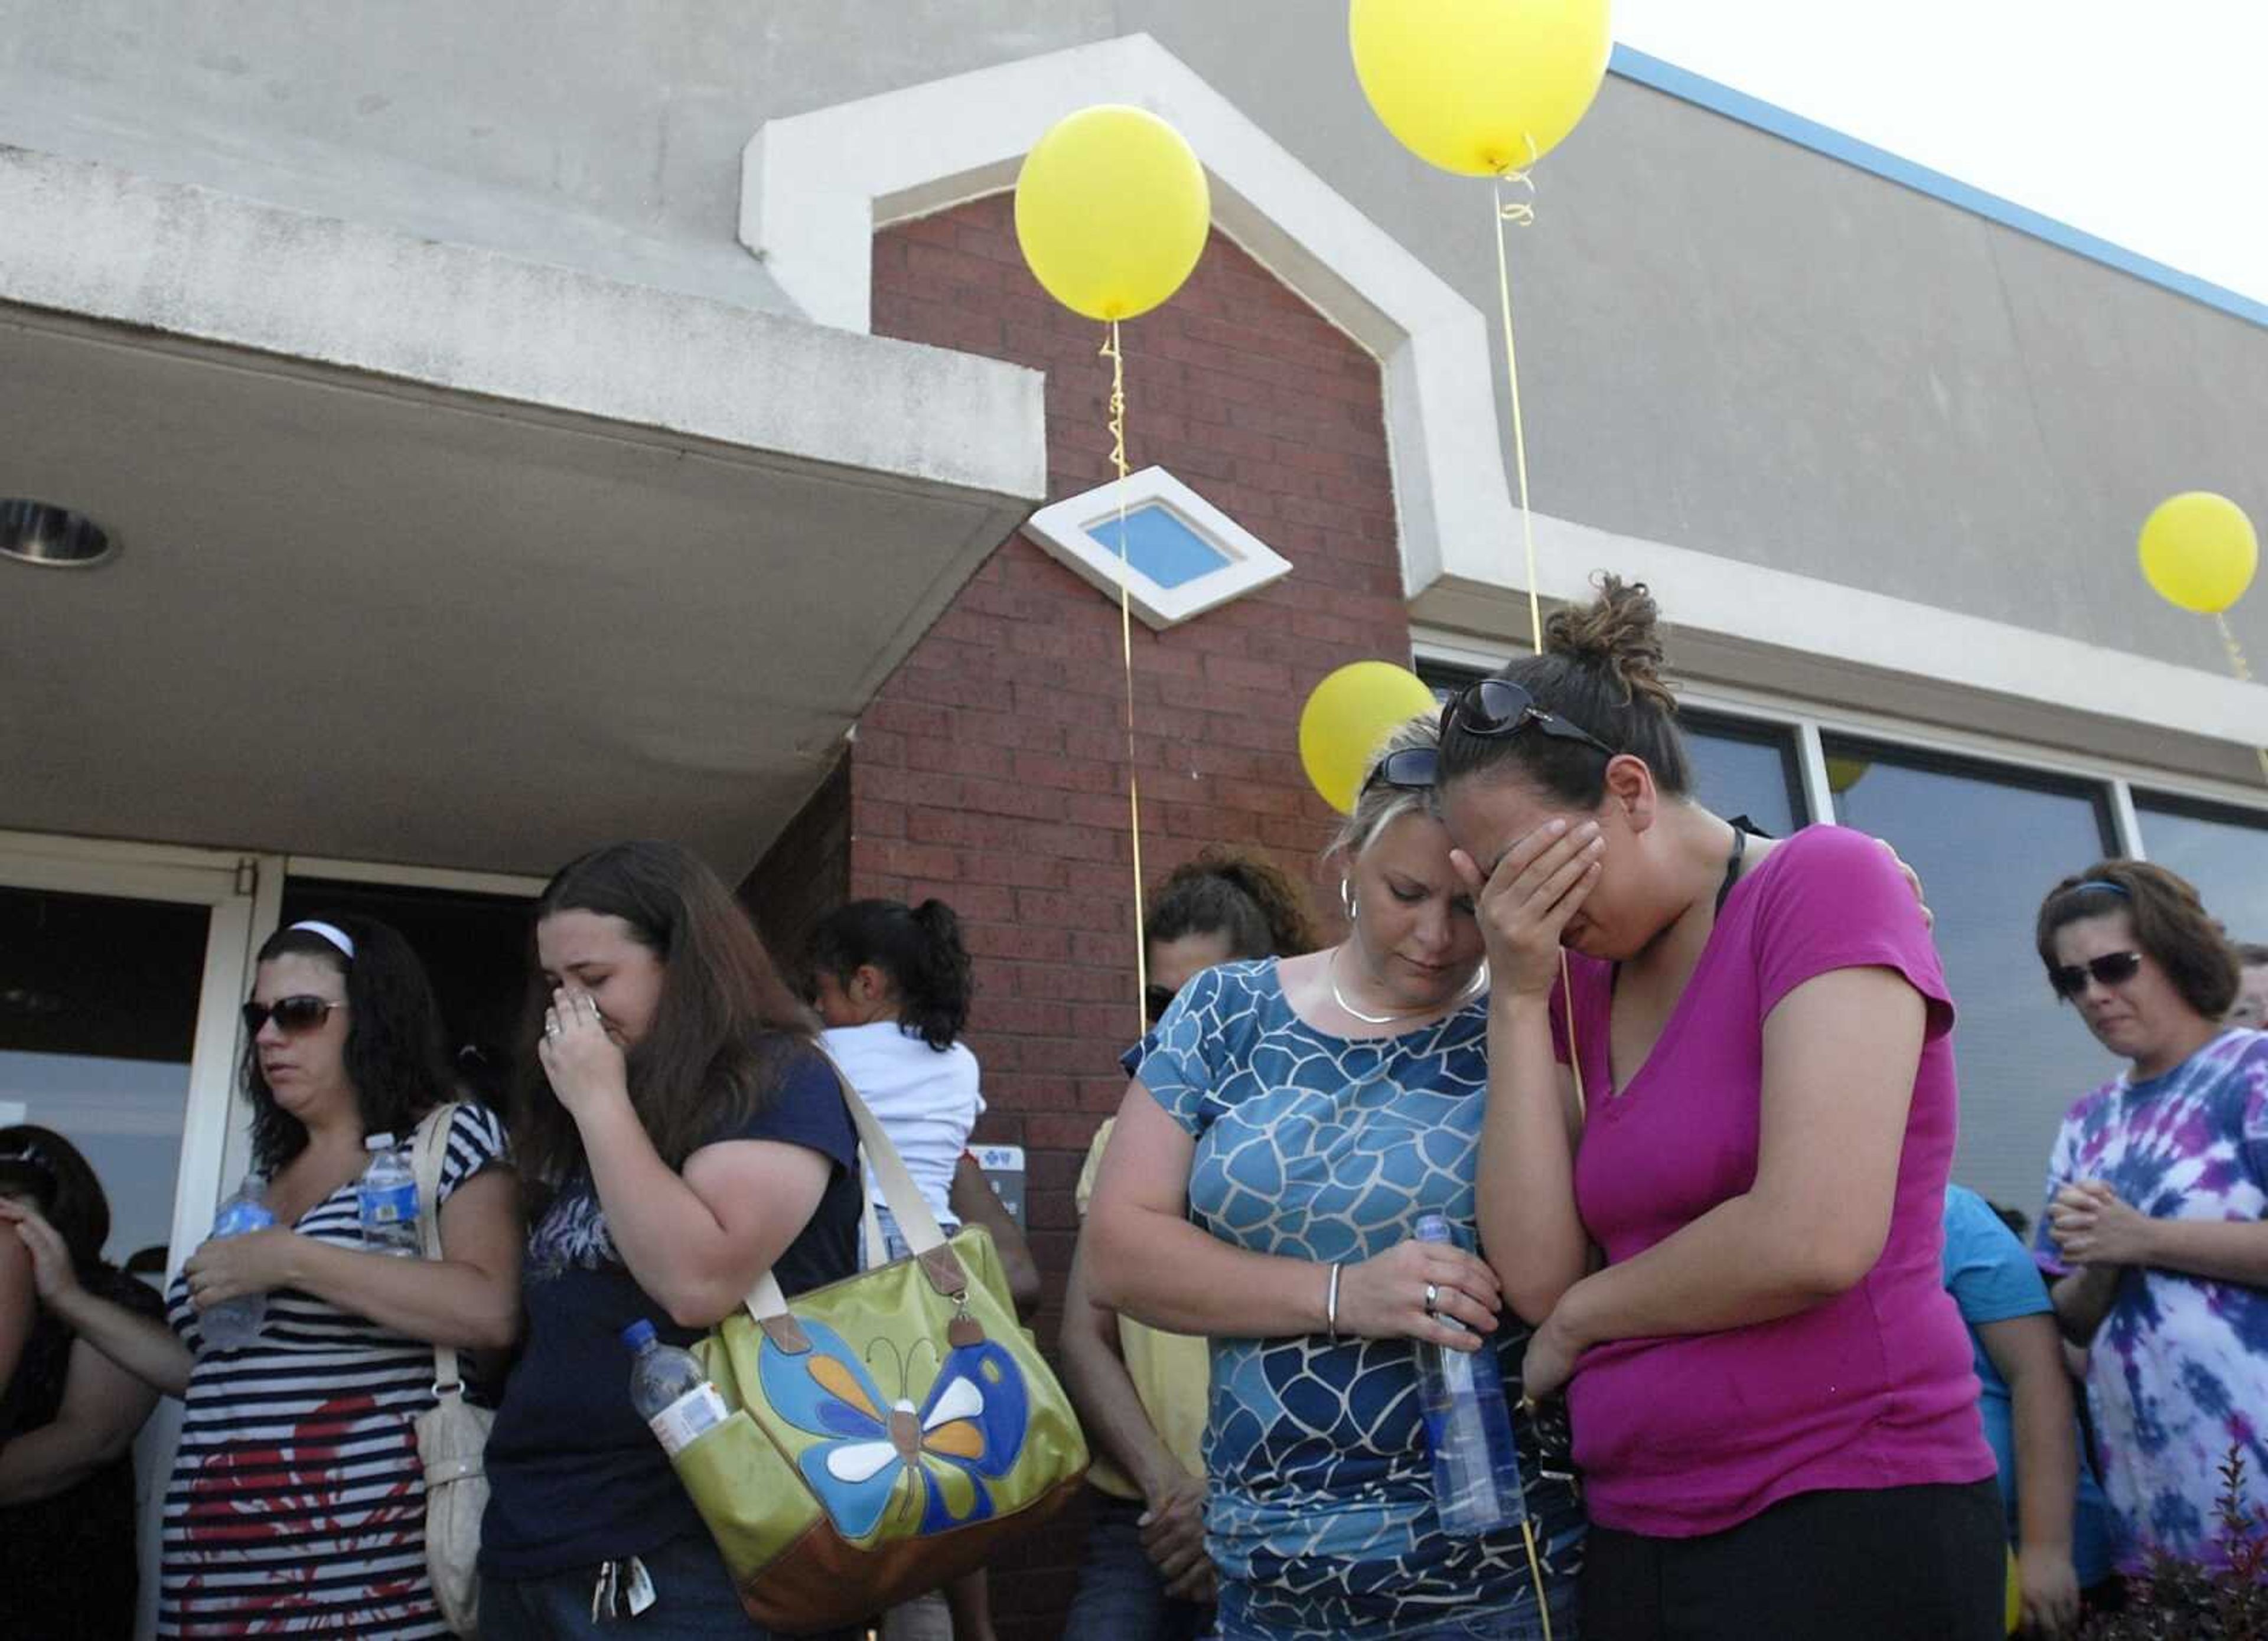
(1771, 1394)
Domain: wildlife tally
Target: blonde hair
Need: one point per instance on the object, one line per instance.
(1378, 805)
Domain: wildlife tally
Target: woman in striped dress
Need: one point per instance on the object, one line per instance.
(296, 1505)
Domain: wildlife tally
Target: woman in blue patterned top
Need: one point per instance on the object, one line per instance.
(2156, 1231)
(1291, 1122)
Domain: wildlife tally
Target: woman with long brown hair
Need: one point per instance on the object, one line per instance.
(679, 1134)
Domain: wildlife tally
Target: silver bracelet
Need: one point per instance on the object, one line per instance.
(1331, 1306)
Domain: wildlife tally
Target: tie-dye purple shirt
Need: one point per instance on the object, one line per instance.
(2180, 1367)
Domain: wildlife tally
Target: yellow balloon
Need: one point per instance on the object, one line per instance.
(1348, 718)
(1480, 86)
(2014, 1611)
(1112, 211)
(2198, 551)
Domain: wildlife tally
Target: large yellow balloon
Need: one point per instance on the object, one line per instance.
(1348, 718)
(2198, 551)
(1112, 211)
(1480, 86)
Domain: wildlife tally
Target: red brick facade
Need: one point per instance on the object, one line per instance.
(991, 769)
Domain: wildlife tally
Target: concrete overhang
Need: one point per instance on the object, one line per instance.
(435, 557)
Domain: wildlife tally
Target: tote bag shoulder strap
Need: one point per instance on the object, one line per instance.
(916, 1223)
(431, 1150)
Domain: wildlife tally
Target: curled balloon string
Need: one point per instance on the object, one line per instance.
(2241, 667)
(1117, 358)
(1536, 1573)
(1521, 213)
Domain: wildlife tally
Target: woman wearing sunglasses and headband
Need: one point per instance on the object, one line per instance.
(2157, 1224)
(298, 1499)
(1770, 1392)
(1290, 1120)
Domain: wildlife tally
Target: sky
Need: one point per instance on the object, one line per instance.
(2143, 123)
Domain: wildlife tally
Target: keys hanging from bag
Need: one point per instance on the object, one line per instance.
(889, 1430)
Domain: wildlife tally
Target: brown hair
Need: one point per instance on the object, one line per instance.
(2170, 923)
(722, 1032)
(1601, 669)
(394, 1056)
(47, 1168)
(1235, 892)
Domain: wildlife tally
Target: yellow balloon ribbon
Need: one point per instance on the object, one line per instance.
(2244, 671)
(1112, 352)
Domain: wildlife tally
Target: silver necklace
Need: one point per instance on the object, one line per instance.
(1331, 973)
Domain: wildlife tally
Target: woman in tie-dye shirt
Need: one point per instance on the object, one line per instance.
(2157, 1222)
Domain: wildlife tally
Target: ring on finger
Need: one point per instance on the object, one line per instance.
(1432, 1300)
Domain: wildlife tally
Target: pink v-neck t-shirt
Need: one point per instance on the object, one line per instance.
(1683, 1436)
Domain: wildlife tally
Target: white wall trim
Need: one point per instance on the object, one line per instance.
(1803, 614)
(814, 186)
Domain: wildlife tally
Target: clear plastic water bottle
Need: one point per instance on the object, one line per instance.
(669, 1390)
(1475, 1467)
(387, 1199)
(234, 1323)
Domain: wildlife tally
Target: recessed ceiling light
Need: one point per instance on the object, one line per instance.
(36, 532)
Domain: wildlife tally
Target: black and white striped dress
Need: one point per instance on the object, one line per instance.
(296, 1505)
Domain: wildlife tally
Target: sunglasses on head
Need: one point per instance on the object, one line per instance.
(1411, 770)
(2112, 968)
(292, 1015)
(1498, 707)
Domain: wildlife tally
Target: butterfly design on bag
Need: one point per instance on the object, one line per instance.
(967, 1430)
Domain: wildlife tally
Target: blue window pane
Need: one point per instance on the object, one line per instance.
(1741, 768)
(1160, 545)
(2222, 849)
(1989, 844)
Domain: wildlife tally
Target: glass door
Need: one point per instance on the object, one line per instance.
(121, 972)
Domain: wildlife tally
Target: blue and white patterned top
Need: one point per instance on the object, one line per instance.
(1323, 1148)
(2179, 1370)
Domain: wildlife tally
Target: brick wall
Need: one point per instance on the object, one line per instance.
(805, 874)
(990, 771)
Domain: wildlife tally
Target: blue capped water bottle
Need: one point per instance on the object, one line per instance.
(233, 1324)
(385, 1200)
(1475, 1467)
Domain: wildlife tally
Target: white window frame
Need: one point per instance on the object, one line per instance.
(1065, 528)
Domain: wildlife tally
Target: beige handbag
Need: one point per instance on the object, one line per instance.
(452, 1434)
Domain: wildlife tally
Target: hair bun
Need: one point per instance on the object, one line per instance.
(1618, 633)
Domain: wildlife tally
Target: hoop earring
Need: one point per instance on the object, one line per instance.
(1347, 897)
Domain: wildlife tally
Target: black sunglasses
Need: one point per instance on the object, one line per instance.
(1497, 706)
(292, 1015)
(2112, 968)
(1411, 770)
